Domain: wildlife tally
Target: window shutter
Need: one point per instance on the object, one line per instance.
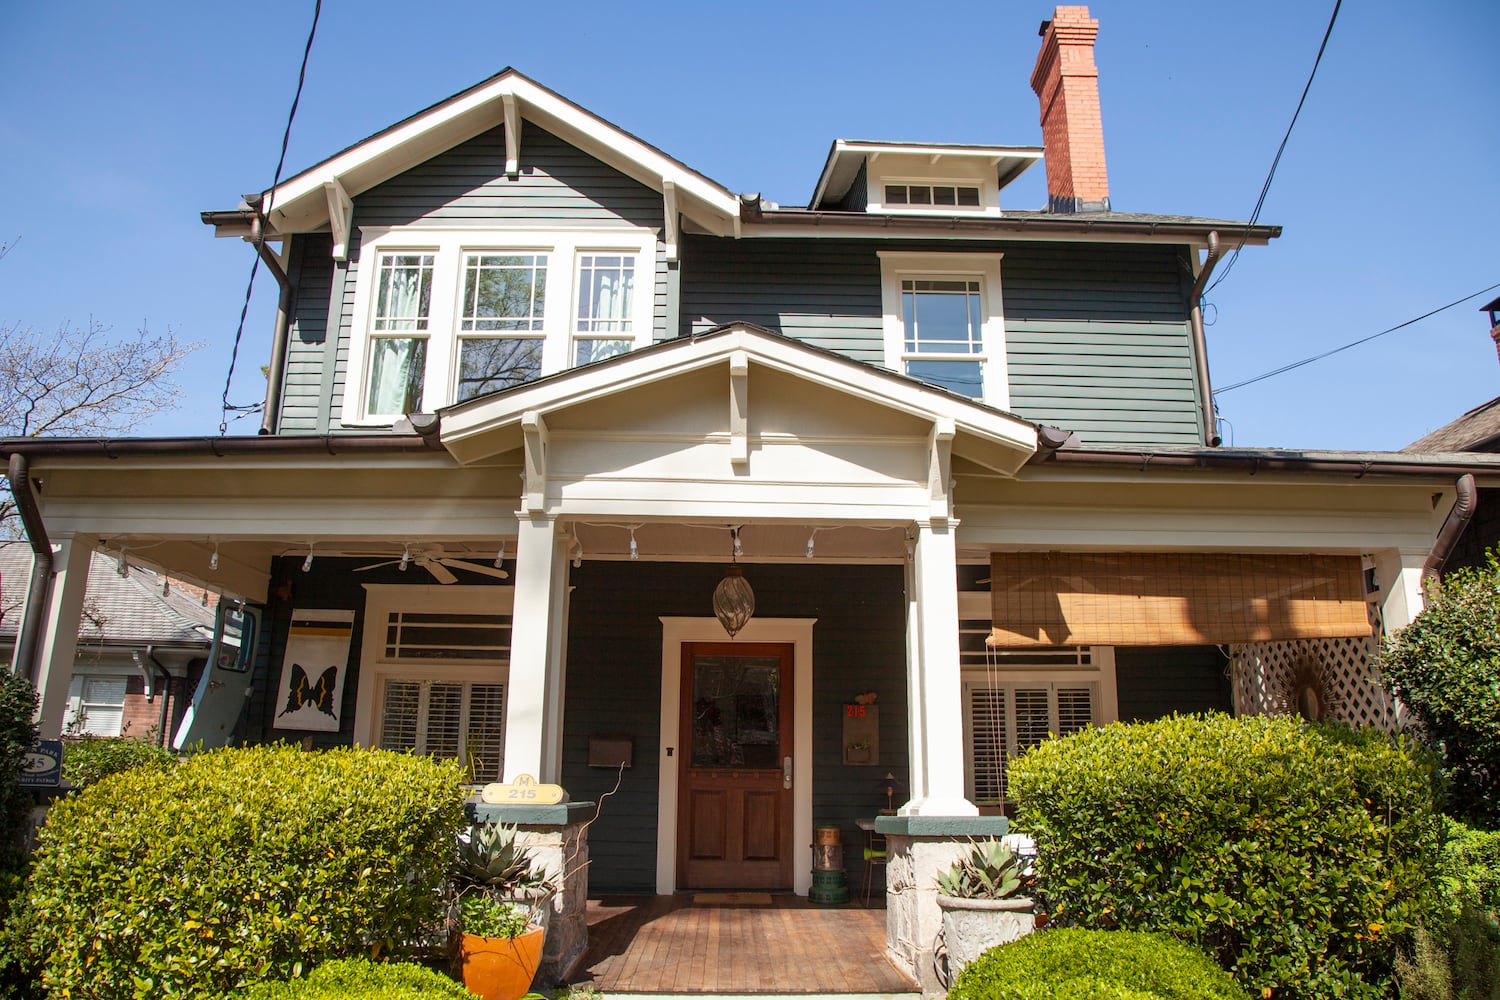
(485, 743)
(1075, 709)
(987, 743)
(445, 706)
(1033, 716)
(398, 715)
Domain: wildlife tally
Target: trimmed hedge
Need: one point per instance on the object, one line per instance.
(1077, 964)
(361, 979)
(239, 865)
(91, 758)
(1295, 856)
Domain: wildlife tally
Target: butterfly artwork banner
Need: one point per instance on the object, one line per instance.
(311, 695)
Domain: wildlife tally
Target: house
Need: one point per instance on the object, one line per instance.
(142, 645)
(550, 410)
(1476, 431)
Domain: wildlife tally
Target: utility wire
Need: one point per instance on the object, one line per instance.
(1355, 343)
(239, 332)
(1271, 175)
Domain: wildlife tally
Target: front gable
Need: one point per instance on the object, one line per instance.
(737, 424)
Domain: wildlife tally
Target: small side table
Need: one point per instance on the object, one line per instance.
(875, 853)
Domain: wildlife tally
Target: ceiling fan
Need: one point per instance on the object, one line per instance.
(436, 563)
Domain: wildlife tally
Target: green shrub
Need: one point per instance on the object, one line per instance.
(361, 979)
(1076, 964)
(1295, 856)
(239, 865)
(18, 733)
(1455, 954)
(90, 758)
(1443, 666)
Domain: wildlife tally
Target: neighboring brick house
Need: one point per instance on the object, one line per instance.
(1475, 431)
(142, 643)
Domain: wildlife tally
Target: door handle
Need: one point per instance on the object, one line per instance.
(786, 772)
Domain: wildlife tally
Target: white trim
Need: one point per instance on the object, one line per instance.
(380, 600)
(983, 267)
(472, 112)
(449, 248)
(675, 632)
(340, 217)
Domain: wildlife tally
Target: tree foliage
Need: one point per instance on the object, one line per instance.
(82, 382)
(1445, 666)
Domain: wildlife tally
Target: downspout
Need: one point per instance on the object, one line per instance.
(37, 595)
(164, 692)
(1458, 519)
(281, 334)
(1200, 345)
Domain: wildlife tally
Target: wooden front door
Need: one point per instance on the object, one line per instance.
(734, 825)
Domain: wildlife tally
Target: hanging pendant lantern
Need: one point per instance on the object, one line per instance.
(734, 601)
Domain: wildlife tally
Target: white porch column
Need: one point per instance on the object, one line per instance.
(533, 701)
(1398, 573)
(916, 705)
(59, 639)
(935, 575)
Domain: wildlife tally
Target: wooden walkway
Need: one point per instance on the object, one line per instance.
(666, 944)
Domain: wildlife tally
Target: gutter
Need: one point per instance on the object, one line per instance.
(39, 592)
(1200, 346)
(220, 447)
(1453, 526)
(1034, 225)
(1359, 467)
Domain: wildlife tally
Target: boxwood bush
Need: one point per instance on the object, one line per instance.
(1078, 964)
(90, 758)
(1296, 856)
(361, 979)
(239, 865)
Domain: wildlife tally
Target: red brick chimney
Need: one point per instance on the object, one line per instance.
(1066, 82)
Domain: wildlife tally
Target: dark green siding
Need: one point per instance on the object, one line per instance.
(614, 686)
(1153, 681)
(825, 293)
(1097, 339)
(311, 272)
(558, 186)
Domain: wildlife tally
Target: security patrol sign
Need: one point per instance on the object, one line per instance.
(42, 766)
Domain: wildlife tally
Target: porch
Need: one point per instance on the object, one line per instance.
(765, 944)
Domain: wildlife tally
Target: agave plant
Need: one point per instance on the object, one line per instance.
(492, 861)
(990, 870)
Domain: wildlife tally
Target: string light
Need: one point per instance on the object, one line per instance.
(405, 558)
(307, 563)
(500, 557)
(635, 553)
(811, 535)
(122, 566)
(735, 531)
(213, 560)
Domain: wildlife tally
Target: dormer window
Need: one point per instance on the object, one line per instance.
(932, 195)
(442, 316)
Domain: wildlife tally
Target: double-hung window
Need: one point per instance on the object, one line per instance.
(96, 704)
(443, 316)
(944, 321)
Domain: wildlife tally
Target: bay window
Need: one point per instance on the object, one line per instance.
(442, 316)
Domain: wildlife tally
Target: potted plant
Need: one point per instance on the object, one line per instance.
(500, 906)
(985, 899)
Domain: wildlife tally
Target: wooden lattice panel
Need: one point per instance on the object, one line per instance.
(1265, 676)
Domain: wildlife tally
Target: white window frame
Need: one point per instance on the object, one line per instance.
(78, 687)
(897, 265)
(986, 193)
(947, 171)
(449, 247)
(381, 600)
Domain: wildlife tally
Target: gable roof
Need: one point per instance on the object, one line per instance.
(118, 610)
(1477, 430)
(488, 425)
(301, 203)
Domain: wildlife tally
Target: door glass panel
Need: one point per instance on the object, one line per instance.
(737, 711)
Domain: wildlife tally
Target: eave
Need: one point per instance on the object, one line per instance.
(301, 203)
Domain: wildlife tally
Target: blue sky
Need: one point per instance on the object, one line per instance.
(122, 122)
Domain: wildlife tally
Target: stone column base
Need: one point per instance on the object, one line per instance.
(557, 839)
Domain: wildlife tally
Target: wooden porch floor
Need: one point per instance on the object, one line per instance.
(666, 944)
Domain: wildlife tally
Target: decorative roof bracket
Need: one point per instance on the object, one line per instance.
(340, 217)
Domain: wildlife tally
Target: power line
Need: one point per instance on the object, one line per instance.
(286, 136)
(1354, 343)
(1271, 175)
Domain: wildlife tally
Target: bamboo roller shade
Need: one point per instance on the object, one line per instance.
(1173, 599)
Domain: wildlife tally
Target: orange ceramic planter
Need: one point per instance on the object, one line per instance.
(501, 968)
